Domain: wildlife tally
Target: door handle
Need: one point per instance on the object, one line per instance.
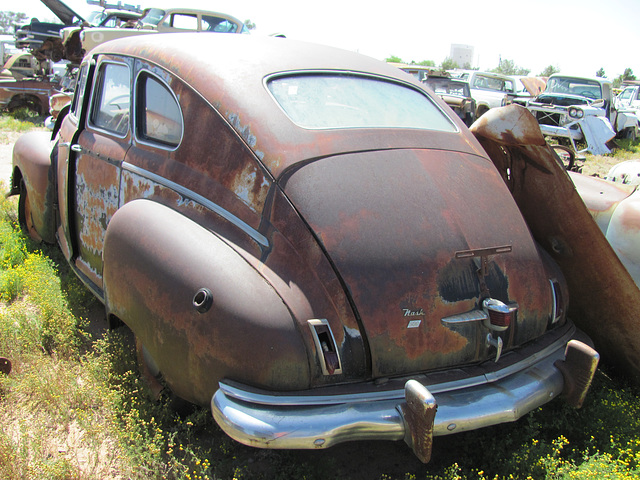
(76, 148)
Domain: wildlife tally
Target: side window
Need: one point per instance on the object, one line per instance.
(626, 93)
(217, 24)
(158, 115)
(112, 98)
(79, 91)
(184, 22)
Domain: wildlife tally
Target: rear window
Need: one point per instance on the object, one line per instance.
(348, 101)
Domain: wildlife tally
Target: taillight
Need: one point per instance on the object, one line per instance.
(500, 314)
(325, 346)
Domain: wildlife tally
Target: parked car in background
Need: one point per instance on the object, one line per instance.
(30, 93)
(581, 109)
(303, 238)
(628, 98)
(156, 20)
(107, 18)
(489, 90)
(456, 93)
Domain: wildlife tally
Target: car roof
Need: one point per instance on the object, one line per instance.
(600, 80)
(230, 72)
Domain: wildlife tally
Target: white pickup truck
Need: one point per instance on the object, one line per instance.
(489, 90)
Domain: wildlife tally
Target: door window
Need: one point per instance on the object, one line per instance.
(158, 115)
(112, 99)
(184, 21)
(79, 93)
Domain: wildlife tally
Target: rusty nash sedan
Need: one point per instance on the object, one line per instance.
(303, 238)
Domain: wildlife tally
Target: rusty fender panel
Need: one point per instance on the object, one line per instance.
(32, 163)
(605, 301)
(156, 261)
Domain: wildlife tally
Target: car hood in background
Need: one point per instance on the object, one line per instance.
(392, 221)
(62, 11)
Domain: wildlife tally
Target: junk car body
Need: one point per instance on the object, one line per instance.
(156, 20)
(304, 238)
(30, 93)
(456, 94)
(628, 98)
(582, 109)
(488, 89)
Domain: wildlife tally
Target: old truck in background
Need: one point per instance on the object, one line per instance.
(581, 109)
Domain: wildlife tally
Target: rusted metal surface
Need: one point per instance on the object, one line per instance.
(419, 413)
(31, 93)
(292, 261)
(616, 209)
(604, 298)
(32, 165)
(391, 220)
(238, 93)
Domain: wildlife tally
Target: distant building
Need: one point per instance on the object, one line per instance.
(462, 54)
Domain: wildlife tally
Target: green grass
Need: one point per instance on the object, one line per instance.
(74, 407)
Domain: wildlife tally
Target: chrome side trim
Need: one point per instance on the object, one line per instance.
(487, 378)
(471, 316)
(185, 192)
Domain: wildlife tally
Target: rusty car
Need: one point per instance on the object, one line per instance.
(305, 239)
(30, 93)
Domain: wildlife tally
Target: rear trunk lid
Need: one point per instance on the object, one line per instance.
(395, 224)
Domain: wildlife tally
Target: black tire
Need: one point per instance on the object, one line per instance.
(25, 217)
(565, 155)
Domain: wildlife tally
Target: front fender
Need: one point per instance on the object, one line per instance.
(158, 269)
(32, 164)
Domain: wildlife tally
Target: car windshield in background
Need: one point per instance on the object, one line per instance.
(351, 101)
(574, 86)
(446, 86)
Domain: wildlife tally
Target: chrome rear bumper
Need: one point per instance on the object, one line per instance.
(311, 422)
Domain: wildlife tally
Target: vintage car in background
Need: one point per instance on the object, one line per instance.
(628, 98)
(489, 90)
(304, 239)
(155, 20)
(30, 93)
(582, 109)
(455, 93)
(614, 203)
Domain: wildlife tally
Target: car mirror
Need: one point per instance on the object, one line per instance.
(598, 103)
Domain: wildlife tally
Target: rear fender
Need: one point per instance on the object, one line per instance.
(201, 311)
(33, 165)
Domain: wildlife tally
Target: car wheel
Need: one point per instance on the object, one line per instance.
(25, 216)
(31, 104)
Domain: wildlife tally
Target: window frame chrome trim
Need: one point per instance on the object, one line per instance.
(151, 143)
(384, 78)
(91, 106)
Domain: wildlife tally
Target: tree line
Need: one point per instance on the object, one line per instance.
(509, 67)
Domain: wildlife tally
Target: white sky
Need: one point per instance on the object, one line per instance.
(576, 36)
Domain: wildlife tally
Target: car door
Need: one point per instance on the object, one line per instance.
(96, 154)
